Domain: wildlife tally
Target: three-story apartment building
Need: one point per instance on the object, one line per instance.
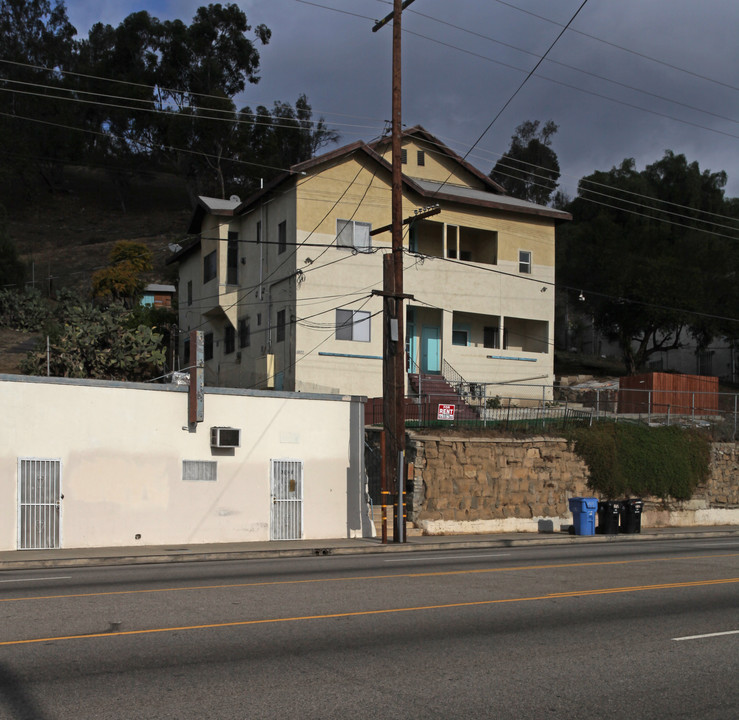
(281, 283)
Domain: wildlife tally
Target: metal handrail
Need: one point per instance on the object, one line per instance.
(412, 364)
(451, 375)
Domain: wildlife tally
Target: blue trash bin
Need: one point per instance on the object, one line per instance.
(583, 512)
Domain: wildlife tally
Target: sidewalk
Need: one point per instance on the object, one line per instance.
(153, 554)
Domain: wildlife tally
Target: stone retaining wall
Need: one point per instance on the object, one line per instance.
(483, 484)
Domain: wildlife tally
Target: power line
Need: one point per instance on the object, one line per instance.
(198, 114)
(570, 86)
(150, 146)
(519, 88)
(565, 65)
(648, 198)
(560, 82)
(171, 91)
(619, 47)
(265, 280)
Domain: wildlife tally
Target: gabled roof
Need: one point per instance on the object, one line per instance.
(421, 132)
(493, 196)
(212, 206)
(205, 206)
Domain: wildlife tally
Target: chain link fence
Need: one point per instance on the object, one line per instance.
(547, 408)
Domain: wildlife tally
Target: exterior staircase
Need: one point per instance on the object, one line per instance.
(430, 391)
(425, 394)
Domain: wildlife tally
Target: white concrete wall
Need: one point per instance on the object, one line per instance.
(122, 445)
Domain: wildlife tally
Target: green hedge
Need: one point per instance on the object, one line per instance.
(634, 460)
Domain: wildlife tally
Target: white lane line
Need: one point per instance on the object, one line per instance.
(703, 546)
(709, 635)
(40, 579)
(454, 557)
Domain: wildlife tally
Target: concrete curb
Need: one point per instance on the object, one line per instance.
(312, 550)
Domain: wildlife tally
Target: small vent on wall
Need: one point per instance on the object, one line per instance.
(199, 470)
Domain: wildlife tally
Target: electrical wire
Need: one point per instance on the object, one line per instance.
(169, 91)
(235, 117)
(619, 47)
(554, 80)
(569, 67)
(648, 198)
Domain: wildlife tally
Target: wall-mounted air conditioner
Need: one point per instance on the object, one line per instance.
(225, 437)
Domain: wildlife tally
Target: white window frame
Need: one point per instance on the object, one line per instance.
(354, 235)
(524, 261)
(353, 325)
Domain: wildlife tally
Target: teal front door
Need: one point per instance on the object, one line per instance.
(430, 349)
(411, 348)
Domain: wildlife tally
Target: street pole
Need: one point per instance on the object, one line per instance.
(393, 339)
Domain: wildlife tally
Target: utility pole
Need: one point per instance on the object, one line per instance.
(393, 369)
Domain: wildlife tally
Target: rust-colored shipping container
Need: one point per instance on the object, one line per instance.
(662, 393)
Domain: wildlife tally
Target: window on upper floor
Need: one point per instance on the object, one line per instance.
(186, 353)
(244, 333)
(404, 156)
(354, 235)
(282, 237)
(210, 266)
(232, 269)
(353, 325)
(229, 340)
(280, 331)
(524, 261)
(421, 158)
(460, 334)
(189, 292)
(208, 346)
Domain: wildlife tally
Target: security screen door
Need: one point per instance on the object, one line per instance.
(39, 500)
(287, 500)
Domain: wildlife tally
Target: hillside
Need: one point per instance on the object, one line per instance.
(64, 236)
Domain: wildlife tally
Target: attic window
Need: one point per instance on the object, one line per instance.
(404, 157)
(421, 158)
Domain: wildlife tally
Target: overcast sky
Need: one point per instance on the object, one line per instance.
(630, 78)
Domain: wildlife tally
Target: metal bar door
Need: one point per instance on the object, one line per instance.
(287, 500)
(39, 500)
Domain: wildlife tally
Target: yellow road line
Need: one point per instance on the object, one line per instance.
(356, 578)
(385, 611)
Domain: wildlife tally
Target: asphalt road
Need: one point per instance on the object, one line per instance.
(647, 630)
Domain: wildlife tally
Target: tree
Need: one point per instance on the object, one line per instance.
(36, 34)
(123, 279)
(655, 253)
(530, 169)
(97, 342)
(171, 105)
(269, 141)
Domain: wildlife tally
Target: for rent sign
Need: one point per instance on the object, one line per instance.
(446, 412)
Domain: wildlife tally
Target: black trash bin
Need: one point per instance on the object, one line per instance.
(608, 516)
(631, 515)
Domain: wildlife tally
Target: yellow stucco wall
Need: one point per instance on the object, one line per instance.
(314, 278)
